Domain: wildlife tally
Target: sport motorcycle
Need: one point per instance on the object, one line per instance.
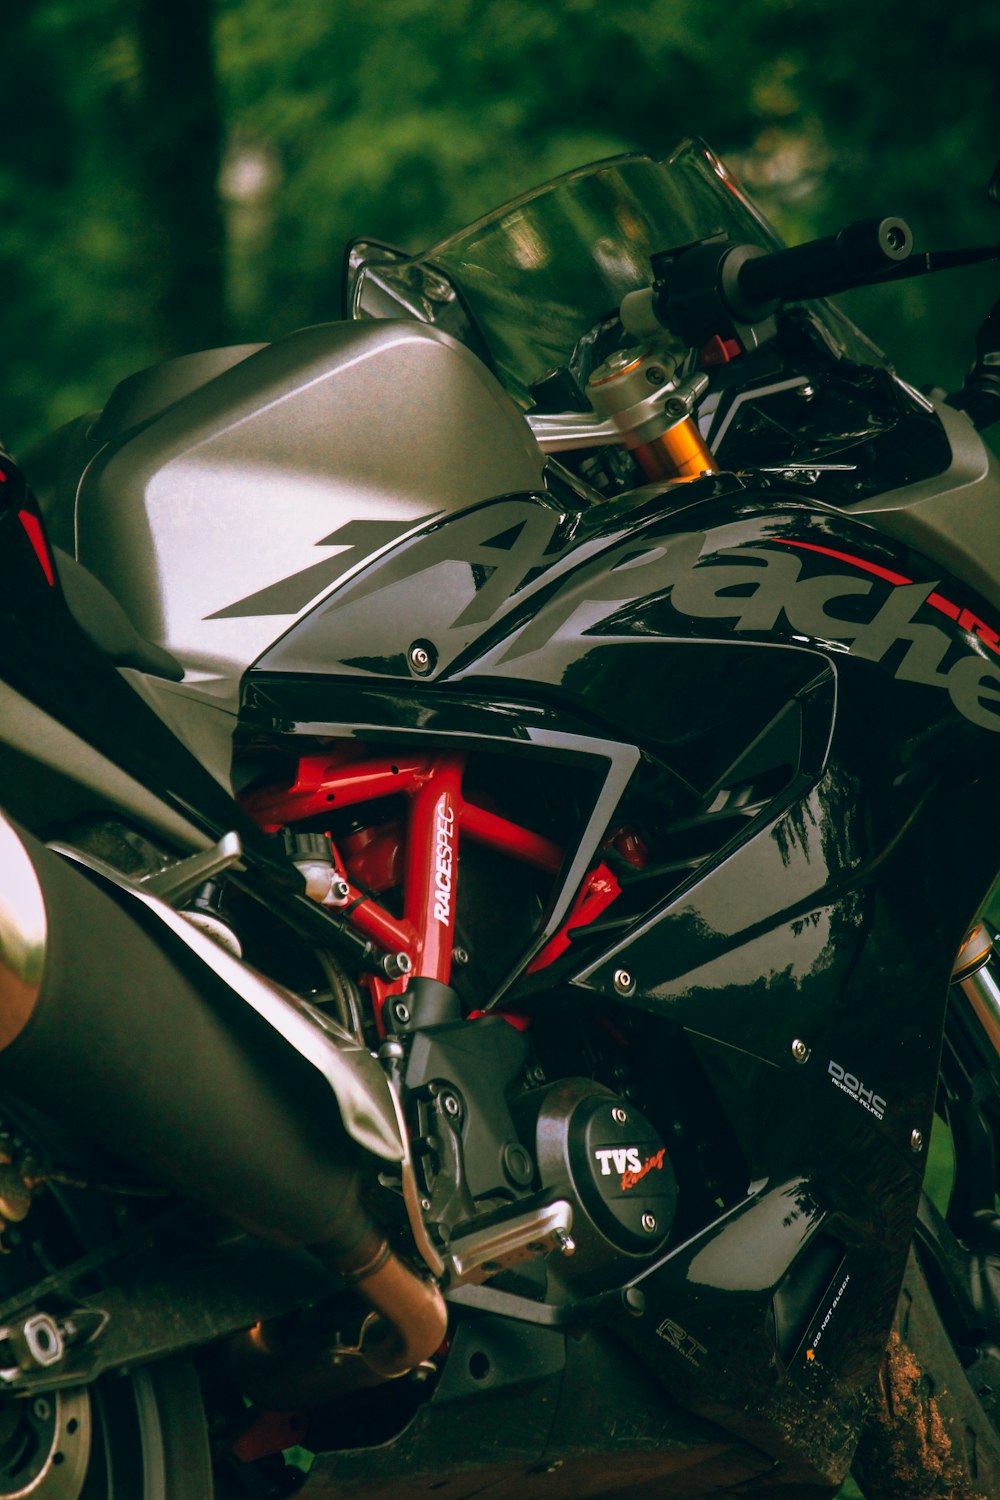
(500, 799)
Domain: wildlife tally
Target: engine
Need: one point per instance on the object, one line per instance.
(538, 1166)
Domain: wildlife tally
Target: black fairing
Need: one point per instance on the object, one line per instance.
(712, 639)
(857, 423)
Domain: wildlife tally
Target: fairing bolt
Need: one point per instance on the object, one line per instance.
(460, 955)
(648, 1223)
(624, 983)
(800, 1051)
(451, 1106)
(401, 1012)
(916, 1140)
(619, 1116)
(419, 659)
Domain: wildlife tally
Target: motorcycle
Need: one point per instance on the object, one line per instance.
(498, 807)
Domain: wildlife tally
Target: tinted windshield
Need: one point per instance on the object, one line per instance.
(534, 276)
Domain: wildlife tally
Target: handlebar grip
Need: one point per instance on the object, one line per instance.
(980, 395)
(856, 255)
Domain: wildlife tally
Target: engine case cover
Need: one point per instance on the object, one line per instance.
(612, 1163)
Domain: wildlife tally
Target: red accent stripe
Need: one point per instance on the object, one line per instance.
(856, 562)
(36, 536)
(967, 621)
(944, 605)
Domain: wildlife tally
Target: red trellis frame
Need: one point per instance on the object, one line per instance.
(438, 813)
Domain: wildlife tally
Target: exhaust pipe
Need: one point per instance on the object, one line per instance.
(22, 935)
(118, 1018)
(286, 1369)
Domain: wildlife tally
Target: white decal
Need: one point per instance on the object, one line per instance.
(626, 1159)
(873, 1103)
(817, 1336)
(443, 861)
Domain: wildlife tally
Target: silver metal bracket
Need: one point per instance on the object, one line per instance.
(44, 1351)
(483, 1253)
(175, 882)
(178, 881)
(561, 432)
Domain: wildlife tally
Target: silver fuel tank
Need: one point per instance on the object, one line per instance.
(218, 518)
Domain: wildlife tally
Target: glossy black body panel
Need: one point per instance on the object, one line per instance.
(724, 632)
(774, 411)
(812, 712)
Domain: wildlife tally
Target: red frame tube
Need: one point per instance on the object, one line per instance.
(499, 833)
(432, 868)
(438, 813)
(322, 785)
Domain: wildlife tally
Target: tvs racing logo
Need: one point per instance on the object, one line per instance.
(444, 856)
(628, 1162)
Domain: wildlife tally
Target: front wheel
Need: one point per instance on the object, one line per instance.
(931, 1432)
(934, 1430)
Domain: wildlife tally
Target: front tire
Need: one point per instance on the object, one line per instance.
(929, 1435)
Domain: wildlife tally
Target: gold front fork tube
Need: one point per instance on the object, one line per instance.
(678, 453)
(975, 978)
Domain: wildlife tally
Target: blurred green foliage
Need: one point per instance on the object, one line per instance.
(406, 119)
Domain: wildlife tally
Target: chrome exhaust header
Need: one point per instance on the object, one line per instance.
(23, 931)
(975, 976)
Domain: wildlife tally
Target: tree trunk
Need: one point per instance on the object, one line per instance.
(178, 147)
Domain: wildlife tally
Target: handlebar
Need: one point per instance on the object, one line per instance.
(857, 254)
(715, 287)
(711, 285)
